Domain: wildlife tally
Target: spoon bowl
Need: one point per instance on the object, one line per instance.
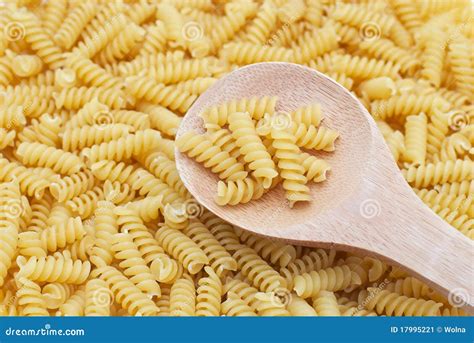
(365, 205)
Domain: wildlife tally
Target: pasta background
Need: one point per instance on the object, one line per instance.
(94, 219)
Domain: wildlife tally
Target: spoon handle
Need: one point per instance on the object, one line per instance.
(411, 235)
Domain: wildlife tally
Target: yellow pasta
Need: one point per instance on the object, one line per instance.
(94, 218)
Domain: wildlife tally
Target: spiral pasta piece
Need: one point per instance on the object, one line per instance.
(405, 104)
(7, 138)
(219, 259)
(208, 299)
(146, 184)
(56, 268)
(274, 252)
(122, 44)
(72, 186)
(90, 73)
(25, 65)
(313, 261)
(458, 52)
(261, 27)
(145, 87)
(123, 148)
(234, 306)
(164, 268)
(52, 238)
(38, 38)
(308, 115)
(433, 57)
(183, 298)
(87, 136)
(223, 231)
(76, 97)
(325, 304)
(74, 22)
(41, 155)
(106, 226)
(300, 307)
(30, 183)
(8, 238)
(182, 248)
(364, 68)
(238, 192)
(252, 148)
(218, 115)
(174, 71)
(247, 53)
(98, 298)
(126, 293)
(389, 303)
(148, 61)
(270, 305)
(12, 117)
(202, 150)
(311, 137)
(315, 43)
(226, 28)
(257, 270)
(165, 169)
(408, 14)
(85, 204)
(133, 265)
(31, 300)
(330, 279)
(292, 172)
(55, 294)
(82, 249)
(438, 173)
(111, 170)
(416, 132)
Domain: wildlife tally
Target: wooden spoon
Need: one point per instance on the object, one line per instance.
(365, 206)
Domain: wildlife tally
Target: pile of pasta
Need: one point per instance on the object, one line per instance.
(251, 135)
(94, 219)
